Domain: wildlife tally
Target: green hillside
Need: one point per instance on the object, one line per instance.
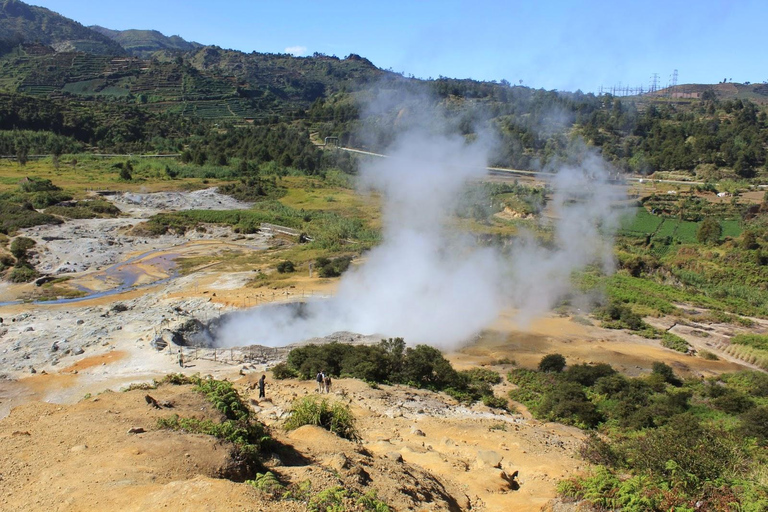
(21, 22)
(692, 132)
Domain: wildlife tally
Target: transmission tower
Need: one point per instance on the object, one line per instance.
(674, 79)
(654, 82)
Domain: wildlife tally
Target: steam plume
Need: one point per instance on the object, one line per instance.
(430, 284)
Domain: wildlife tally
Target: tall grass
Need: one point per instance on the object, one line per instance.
(333, 416)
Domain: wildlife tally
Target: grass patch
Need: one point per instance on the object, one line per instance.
(332, 416)
(239, 428)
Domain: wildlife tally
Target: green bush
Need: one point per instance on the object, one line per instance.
(568, 403)
(391, 362)
(224, 397)
(588, 374)
(666, 372)
(733, 402)
(552, 363)
(31, 185)
(23, 274)
(20, 246)
(333, 416)
(497, 402)
(332, 268)
(675, 342)
(285, 267)
(267, 483)
(482, 375)
(425, 367)
(706, 453)
(709, 231)
(754, 423)
(282, 371)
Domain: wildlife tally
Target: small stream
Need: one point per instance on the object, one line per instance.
(127, 273)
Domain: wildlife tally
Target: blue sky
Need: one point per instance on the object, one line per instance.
(555, 44)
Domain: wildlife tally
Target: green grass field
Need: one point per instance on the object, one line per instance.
(643, 223)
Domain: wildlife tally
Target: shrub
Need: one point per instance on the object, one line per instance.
(552, 363)
(224, 397)
(332, 268)
(497, 402)
(666, 372)
(674, 342)
(333, 416)
(249, 436)
(285, 267)
(709, 231)
(20, 246)
(706, 453)
(733, 402)
(29, 185)
(425, 367)
(266, 482)
(754, 423)
(599, 452)
(23, 274)
(283, 371)
(586, 374)
(482, 375)
(568, 403)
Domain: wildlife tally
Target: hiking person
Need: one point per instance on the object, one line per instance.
(181, 358)
(328, 384)
(320, 381)
(262, 386)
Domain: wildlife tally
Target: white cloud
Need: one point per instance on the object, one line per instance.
(296, 51)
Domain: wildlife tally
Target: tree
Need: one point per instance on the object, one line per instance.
(709, 232)
(552, 363)
(665, 372)
(20, 246)
(22, 153)
(286, 267)
(425, 367)
(749, 241)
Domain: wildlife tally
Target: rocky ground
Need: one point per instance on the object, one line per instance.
(419, 450)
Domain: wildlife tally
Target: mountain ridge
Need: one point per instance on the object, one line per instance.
(144, 43)
(20, 22)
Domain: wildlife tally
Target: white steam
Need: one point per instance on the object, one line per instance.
(430, 284)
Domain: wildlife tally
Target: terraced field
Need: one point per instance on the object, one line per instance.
(642, 223)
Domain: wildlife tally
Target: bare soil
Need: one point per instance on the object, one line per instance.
(64, 441)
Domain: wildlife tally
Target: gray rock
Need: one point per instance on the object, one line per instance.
(488, 458)
(78, 351)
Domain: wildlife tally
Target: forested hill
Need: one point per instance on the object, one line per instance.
(20, 22)
(127, 103)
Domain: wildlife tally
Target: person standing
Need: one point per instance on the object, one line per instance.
(320, 381)
(327, 383)
(262, 386)
(181, 358)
